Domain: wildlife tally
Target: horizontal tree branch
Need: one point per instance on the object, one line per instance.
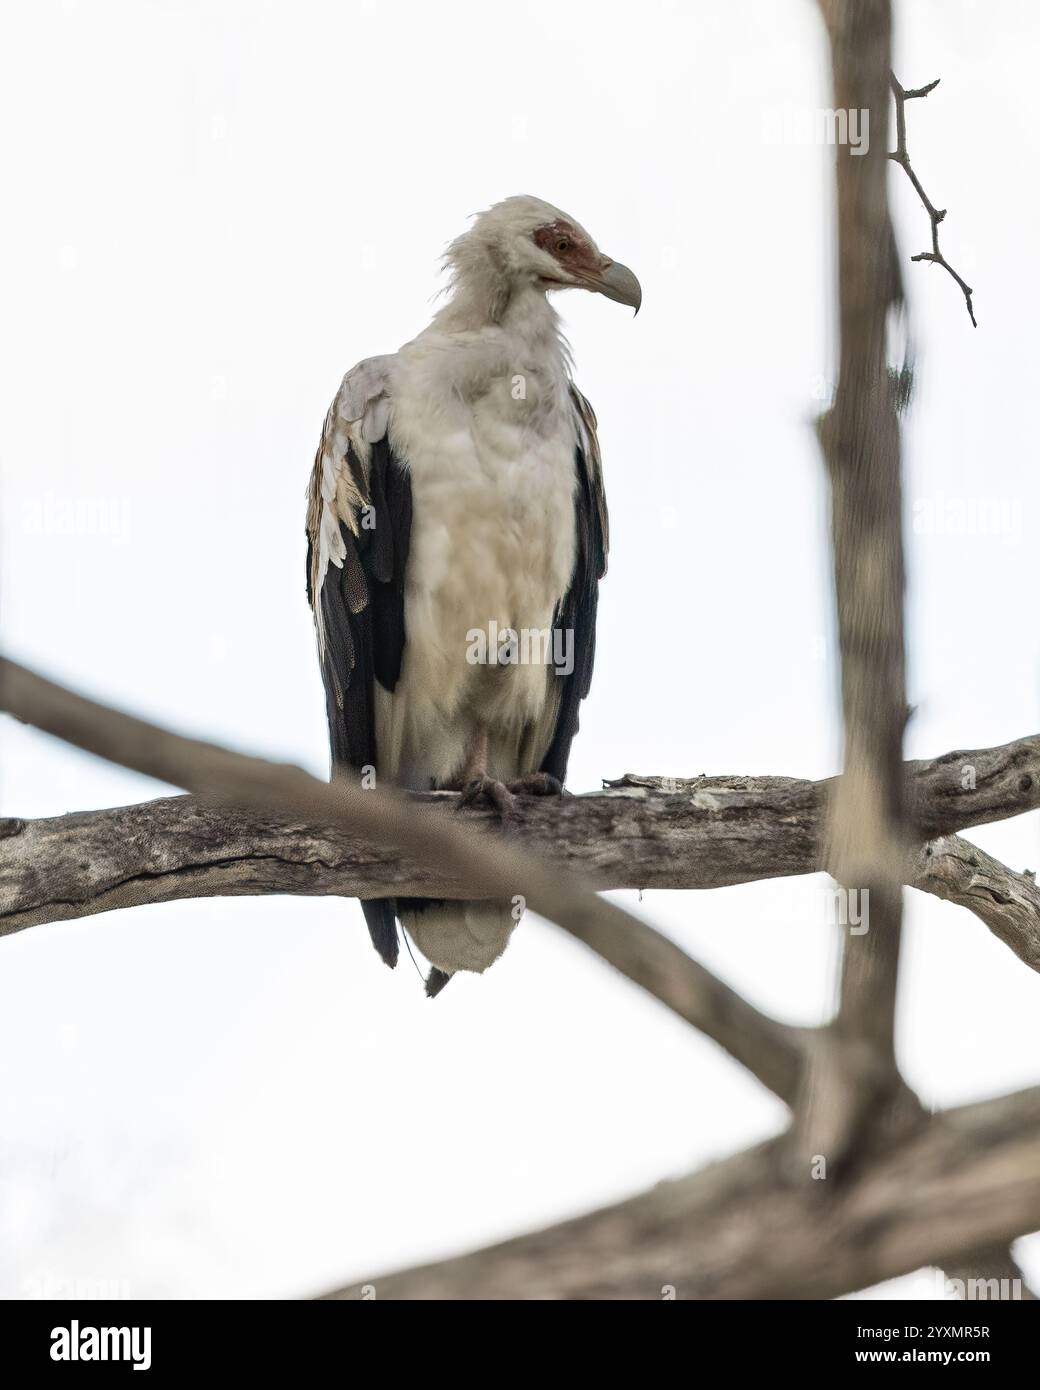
(953, 792)
(643, 832)
(746, 1228)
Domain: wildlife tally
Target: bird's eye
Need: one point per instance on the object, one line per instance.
(563, 243)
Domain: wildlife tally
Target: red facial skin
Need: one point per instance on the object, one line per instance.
(576, 256)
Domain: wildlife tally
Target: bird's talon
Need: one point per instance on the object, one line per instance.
(496, 794)
(537, 784)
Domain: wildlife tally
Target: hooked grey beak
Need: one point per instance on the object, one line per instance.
(618, 283)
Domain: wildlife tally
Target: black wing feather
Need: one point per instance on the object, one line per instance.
(362, 618)
(576, 612)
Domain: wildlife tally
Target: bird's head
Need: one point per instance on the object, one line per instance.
(525, 243)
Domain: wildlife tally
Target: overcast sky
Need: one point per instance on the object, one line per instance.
(211, 212)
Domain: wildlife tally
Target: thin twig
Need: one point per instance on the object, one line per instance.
(936, 215)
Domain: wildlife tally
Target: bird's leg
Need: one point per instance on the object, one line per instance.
(475, 784)
(537, 784)
(474, 764)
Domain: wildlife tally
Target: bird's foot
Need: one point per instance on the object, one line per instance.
(537, 784)
(496, 794)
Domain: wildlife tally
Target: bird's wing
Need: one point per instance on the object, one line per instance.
(576, 611)
(359, 518)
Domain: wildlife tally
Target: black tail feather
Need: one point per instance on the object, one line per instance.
(380, 914)
(435, 982)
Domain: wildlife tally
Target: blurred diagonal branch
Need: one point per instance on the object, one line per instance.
(964, 1181)
(490, 865)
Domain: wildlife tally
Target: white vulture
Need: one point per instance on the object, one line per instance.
(457, 492)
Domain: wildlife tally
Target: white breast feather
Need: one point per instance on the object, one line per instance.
(493, 482)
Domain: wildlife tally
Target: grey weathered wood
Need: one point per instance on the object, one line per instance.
(749, 1228)
(705, 832)
(859, 437)
(1008, 902)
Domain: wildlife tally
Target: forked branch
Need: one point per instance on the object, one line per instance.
(936, 215)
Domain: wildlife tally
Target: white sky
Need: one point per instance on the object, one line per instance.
(212, 211)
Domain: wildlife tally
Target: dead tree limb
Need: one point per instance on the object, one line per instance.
(703, 833)
(966, 1180)
(1008, 902)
